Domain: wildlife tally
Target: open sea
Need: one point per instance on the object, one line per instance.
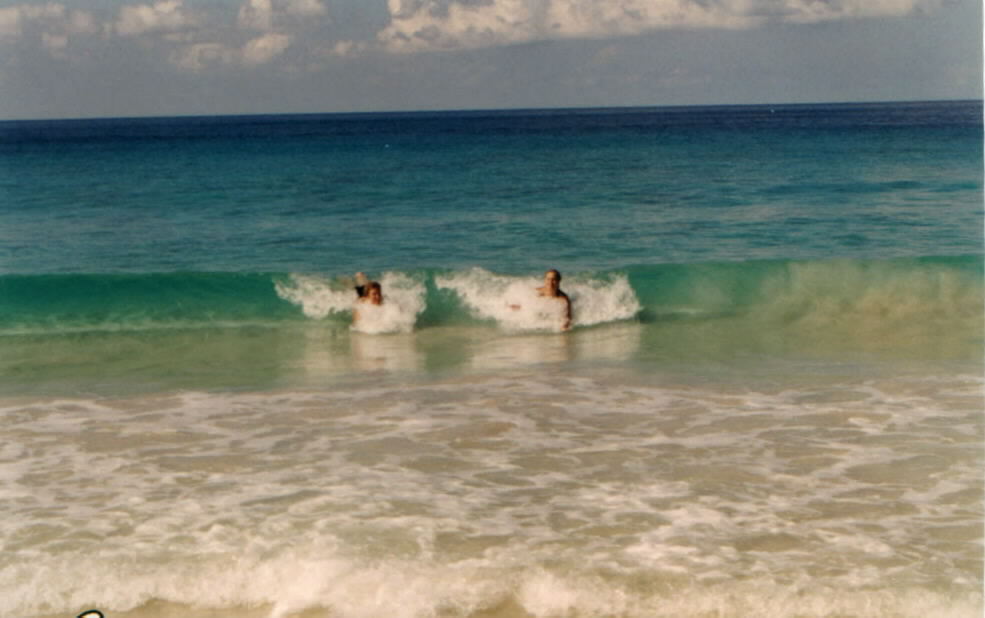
(770, 404)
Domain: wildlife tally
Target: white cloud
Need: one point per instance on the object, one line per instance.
(163, 16)
(260, 50)
(429, 24)
(421, 25)
(80, 22)
(50, 10)
(198, 56)
(264, 48)
(266, 15)
(806, 11)
(50, 24)
(10, 21)
(305, 8)
(256, 15)
(274, 26)
(344, 48)
(14, 18)
(54, 42)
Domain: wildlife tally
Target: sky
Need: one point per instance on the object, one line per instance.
(115, 58)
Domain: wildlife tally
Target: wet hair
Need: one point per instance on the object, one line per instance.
(556, 272)
(372, 285)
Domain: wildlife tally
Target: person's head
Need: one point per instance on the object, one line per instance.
(552, 279)
(374, 293)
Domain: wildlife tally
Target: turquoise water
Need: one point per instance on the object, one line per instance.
(510, 192)
(173, 330)
(759, 223)
(769, 403)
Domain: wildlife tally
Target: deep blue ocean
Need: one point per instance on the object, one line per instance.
(585, 190)
(768, 405)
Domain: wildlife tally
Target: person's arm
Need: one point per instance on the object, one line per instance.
(361, 281)
(566, 325)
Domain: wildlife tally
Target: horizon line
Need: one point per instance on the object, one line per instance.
(487, 110)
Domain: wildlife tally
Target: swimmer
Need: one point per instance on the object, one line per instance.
(552, 289)
(372, 295)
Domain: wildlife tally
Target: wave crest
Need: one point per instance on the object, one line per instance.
(514, 304)
(319, 298)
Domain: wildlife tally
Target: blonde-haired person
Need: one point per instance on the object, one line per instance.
(552, 289)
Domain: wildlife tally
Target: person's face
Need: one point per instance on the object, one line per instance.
(551, 280)
(375, 296)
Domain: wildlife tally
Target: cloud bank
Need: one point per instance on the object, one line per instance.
(167, 16)
(427, 25)
(54, 19)
(202, 35)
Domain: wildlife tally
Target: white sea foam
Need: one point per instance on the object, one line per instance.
(320, 298)
(543, 495)
(403, 301)
(296, 584)
(514, 304)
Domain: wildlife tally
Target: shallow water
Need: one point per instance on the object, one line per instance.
(559, 493)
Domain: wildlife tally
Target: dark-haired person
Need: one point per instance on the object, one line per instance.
(372, 294)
